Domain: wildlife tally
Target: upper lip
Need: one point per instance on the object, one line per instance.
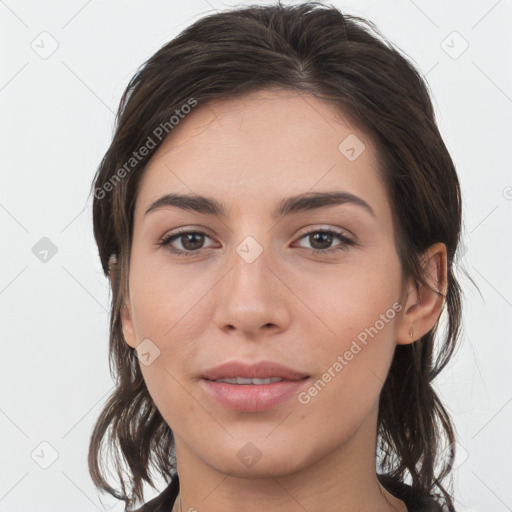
(259, 370)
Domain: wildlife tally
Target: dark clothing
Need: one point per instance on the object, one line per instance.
(165, 500)
(413, 501)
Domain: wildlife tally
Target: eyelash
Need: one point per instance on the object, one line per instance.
(167, 239)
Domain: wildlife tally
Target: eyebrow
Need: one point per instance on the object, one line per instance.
(290, 205)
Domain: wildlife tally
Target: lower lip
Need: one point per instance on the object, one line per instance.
(252, 397)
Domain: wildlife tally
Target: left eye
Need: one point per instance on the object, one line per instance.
(191, 241)
(325, 237)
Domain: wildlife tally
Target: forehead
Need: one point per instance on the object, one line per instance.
(263, 146)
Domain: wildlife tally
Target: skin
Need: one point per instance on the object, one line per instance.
(290, 306)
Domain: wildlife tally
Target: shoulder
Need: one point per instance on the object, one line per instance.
(164, 501)
(414, 501)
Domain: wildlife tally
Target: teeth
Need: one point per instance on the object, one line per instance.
(242, 380)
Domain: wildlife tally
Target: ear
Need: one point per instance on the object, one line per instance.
(126, 312)
(127, 322)
(424, 305)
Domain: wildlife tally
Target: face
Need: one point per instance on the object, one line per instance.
(314, 288)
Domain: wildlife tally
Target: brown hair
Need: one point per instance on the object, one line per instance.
(308, 48)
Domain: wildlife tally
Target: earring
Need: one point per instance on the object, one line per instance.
(411, 333)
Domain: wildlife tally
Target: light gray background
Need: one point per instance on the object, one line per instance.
(56, 123)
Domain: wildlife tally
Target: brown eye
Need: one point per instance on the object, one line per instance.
(191, 242)
(324, 240)
(321, 240)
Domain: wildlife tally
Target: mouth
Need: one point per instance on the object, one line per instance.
(252, 387)
(245, 381)
(261, 370)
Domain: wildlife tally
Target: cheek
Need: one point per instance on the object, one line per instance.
(357, 313)
(349, 301)
(167, 310)
(167, 301)
(351, 370)
(170, 393)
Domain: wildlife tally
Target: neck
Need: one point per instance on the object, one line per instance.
(343, 480)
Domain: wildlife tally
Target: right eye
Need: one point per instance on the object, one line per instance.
(191, 242)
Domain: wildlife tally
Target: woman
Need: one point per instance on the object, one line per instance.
(278, 216)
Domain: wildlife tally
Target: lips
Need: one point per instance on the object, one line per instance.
(260, 370)
(252, 387)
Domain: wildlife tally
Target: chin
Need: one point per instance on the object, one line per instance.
(276, 466)
(258, 457)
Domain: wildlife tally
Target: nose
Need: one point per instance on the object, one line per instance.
(252, 300)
